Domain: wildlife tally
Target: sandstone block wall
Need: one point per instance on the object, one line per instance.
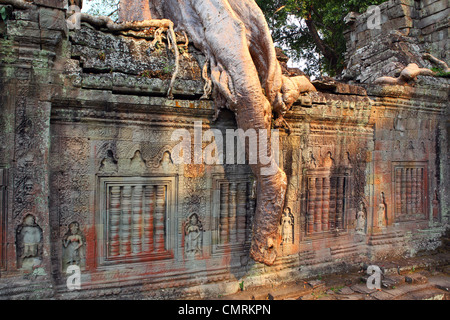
(382, 42)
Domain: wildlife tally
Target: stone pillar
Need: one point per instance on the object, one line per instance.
(31, 42)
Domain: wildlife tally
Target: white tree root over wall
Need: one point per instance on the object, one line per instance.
(247, 79)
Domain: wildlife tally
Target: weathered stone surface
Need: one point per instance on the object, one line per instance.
(416, 278)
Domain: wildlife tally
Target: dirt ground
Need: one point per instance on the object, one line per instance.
(424, 277)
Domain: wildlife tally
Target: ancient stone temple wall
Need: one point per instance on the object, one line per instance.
(88, 177)
(383, 40)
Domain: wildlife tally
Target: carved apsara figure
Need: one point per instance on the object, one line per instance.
(287, 227)
(29, 243)
(193, 232)
(435, 204)
(382, 212)
(73, 243)
(361, 219)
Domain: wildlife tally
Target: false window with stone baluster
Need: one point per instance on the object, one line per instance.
(327, 201)
(136, 215)
(410, 190)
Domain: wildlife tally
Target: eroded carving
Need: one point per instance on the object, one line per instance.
(73, 247)
(193, 236)
(29, 243)
(287, 227)
(382, 212)
(361, 219)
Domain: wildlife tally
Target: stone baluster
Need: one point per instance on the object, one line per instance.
(125, 223)
(232, 208)
(419, 195)
(413, 191)
(251, 201)
(224, 220)
(340, 202)
(149, 213)
(160, 213)
(241, 212)
(136, 231)
(318, 206)
(333, 191)
(114, 221)
(408, 190)
(311, 204)
(403, 191)
(398, 190)
(326, 204)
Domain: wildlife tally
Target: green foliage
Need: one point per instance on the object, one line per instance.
(3, 13)
(441, 72)
(324, 47)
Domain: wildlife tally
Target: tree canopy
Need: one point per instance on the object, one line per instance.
(107, 8)
(312, 30)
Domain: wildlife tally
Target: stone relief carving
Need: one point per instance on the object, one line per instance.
(287, 227)
(436, 206)
(109, 163)
(193, 236)
(137, 163)
(382, 212)
(328, 162)
(29, 243)
(312, 163)
(361, 219)
(73, 247)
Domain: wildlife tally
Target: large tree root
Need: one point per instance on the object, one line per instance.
(407, 75)
(247, 78)
(412, 71)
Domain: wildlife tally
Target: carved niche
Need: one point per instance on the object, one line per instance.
(29, 243)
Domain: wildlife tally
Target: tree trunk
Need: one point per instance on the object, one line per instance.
(134, 10)
(234, 36)
(328, 53)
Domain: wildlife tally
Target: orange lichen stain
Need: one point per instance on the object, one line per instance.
(191, 105)
(177, 104)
